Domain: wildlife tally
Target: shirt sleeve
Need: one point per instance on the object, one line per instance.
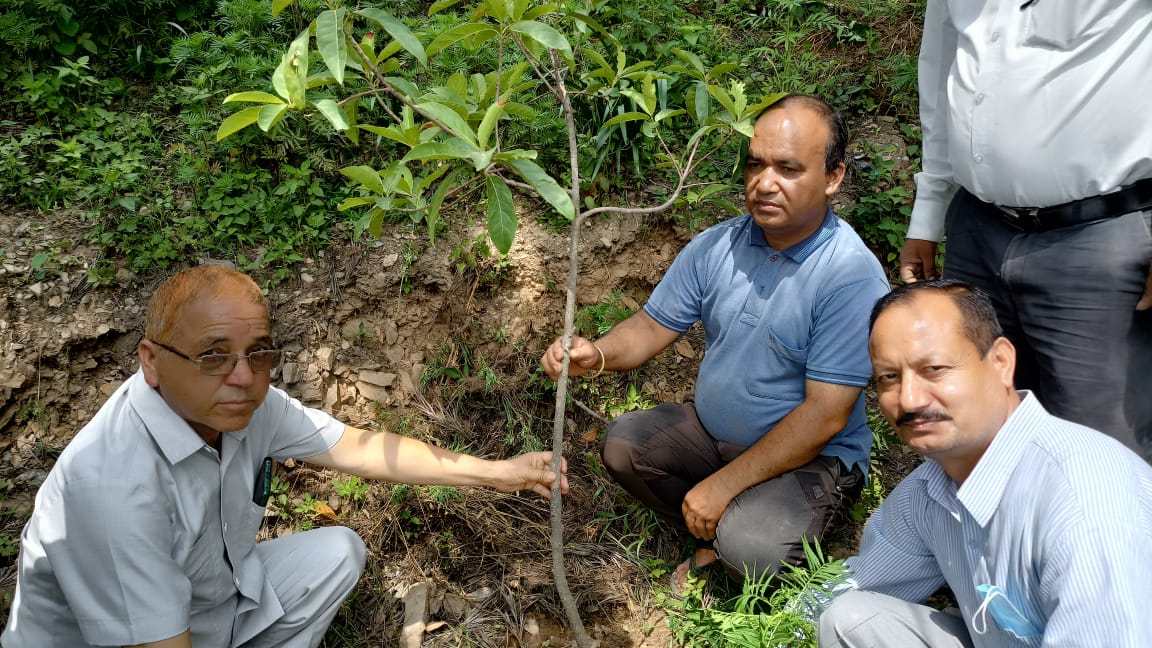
(935, 184)
(838, 351)
(298, 431)
(1094, 580)
(676, 302)
(110, 548)
(894, 559)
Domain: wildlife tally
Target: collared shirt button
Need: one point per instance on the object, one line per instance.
(979, 98)
(774, 258)
(995, 36)
(978, 158)
(225, 527)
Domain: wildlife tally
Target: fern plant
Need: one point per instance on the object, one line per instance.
(773, 611)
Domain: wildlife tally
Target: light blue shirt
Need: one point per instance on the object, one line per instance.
(773, 319)
(1057, 515)
(142, 531)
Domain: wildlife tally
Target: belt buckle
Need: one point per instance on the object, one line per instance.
(1024, 217)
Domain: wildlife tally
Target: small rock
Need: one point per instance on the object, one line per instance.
(331, 395)
(391, 333)
(55, 301)
(479, 594)
(109, 388)
(378, 378)
(372, 392)
(324, 357)
(291, 372)
(306, 278)
(311, 393)
(531, 626)
(124, 275)
(389, 261)
(36, 289)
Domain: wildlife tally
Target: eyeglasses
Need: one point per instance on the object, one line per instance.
(222, 364)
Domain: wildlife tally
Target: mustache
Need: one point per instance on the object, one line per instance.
(926, 416)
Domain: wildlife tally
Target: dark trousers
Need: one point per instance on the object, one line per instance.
(658, 455)
(1067, 300)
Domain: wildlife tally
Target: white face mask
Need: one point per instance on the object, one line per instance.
(1004, 612)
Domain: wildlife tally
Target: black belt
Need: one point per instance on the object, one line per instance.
(1134, 197)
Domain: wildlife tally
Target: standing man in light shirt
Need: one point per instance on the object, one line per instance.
(144, 532)
(1038, 174)
(1042, 528)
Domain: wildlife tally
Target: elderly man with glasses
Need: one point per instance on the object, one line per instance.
(144, 533)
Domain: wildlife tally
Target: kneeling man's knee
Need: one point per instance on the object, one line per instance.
(349, 552)
(618, 451)
(749, 548)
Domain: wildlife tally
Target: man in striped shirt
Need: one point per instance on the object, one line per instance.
(1041, 528)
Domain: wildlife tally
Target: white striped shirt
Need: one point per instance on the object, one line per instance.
(1057, 515)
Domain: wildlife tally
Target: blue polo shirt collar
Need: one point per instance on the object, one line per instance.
(175, 438)
(802, 250)
(982, 491)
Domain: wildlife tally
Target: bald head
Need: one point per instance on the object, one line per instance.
(189, 286)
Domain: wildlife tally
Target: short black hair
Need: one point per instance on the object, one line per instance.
(978, 316)
(837, 148)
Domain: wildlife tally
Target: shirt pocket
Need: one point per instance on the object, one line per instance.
(781, 377)
(1065, 25)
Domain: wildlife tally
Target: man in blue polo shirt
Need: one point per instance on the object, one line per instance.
(776, 438)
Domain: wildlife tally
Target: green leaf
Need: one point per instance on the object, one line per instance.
(721, 69)
(291, 75)
(488, 124)
(271, 115)
(624, 117)
(514, 154)
(331, 42)
(690, 59)
(432, 216)
(543, 34)
(702, 103)
(253, 96)
(502, 222)
(365, 175)
(498, 9)
(451, 149)
(449, 118)
(355, 201)
(720, 94)
(390, 132)
(518, 9)
(397, 30)
(477, 33)
(745, 127)
(668, 112)
(236, 121)
(280, 5)
(441, 5)
(545, 185)
(332, 111)
(637, 98)
(598, 59)
(403, 85)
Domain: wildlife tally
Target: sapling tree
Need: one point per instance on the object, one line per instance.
(428, 135)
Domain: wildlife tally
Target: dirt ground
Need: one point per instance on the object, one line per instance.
(389, 333)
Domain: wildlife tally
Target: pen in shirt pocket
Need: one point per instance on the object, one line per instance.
(263, 488)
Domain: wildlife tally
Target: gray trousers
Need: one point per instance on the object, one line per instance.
(658, 455)
(311, 573)
(869, 620)
(1067, 300)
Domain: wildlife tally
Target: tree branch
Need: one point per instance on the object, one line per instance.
(688, 166)
(559, 573)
